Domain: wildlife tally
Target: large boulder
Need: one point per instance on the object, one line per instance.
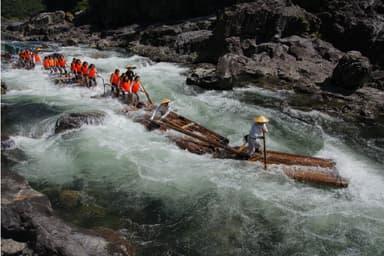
(289, 60)
(7, 143)
(10, 247)
(48, 18)
(263, 20)
(352, 71)
(204, 75)
(4, 88)
(76, 120)
(351, 25)
(27, 216)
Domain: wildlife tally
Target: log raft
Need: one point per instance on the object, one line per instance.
(200, 140)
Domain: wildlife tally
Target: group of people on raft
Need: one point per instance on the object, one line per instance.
(28, 59)
(127, 85)
(55, 63)
(83, 73)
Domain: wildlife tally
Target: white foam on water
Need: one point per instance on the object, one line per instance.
(128, 156)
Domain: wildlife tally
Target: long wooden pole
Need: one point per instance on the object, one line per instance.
(171, 125)
(265, 151)
(146, 94)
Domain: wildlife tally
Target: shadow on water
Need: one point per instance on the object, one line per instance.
(20, 116)
(202, 223)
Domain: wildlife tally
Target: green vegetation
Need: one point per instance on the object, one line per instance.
(20, 8)
(67, 5)
(26, 8)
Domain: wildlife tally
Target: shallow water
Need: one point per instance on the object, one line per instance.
(171, 202)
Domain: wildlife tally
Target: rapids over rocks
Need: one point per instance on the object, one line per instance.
(166, 201)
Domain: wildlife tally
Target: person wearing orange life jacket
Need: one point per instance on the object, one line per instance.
(51, 62)
(114, 80)
(27, 54)
(73, 66)
(62, 64)
(92, 75)
(46, 63)
(120, 90)
(84, 73)
(126, 88)
(135, 88)
(78, 69)
(36, 56)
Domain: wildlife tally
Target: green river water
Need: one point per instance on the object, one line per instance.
(171, 202)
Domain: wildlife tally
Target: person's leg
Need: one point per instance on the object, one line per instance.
(251, 145)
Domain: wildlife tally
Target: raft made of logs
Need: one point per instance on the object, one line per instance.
(200, 140)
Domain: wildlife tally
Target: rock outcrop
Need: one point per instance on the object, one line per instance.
(4, 88)
(28, 224)
(351, 25)
(76, 120)
(290, 60)
(352, 71)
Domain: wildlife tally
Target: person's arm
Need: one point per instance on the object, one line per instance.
(154, 113)
(265, 129)
(166, 113)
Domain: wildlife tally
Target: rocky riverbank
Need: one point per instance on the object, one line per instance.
(329, 55)
(29, 226)
(272, 44)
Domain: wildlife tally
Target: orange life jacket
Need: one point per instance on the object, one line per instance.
(27, 55)
(114, 78)
(136, 87)
(92, 73)
(46, 63)
(125, 85)
(78, 67)
(62, 62)
(73, 67)
(37, 58)
(51, 62)
(84, 69)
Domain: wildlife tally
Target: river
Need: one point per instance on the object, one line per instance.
(171, 202)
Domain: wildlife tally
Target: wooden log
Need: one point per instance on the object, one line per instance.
(318, 177)
(173, 126)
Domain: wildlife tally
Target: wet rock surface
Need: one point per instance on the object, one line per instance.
(28, 223)
(76, 120)
(352, 71)
(4, 88)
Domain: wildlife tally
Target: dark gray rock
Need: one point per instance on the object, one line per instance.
(48, 18)
(263, 20)
(27, 217)
(192, 41)
(71, 42)
(102, 44)
(76, 120)
(4, 88)
(204, 75)
(351, 25)
(7, 143)
(352, 71)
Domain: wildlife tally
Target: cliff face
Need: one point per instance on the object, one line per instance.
(120, 12)
(351, 25)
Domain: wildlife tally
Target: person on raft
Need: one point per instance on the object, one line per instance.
(257, 131)
(130, 73)
(162, 110)
(92, 72)
(114, 80)
(135, 88)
